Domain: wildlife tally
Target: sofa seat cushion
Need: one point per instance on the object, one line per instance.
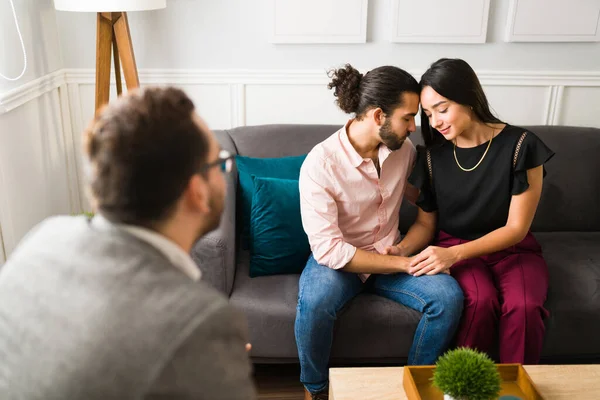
(573, 328)
(369, 328)
(375, 328)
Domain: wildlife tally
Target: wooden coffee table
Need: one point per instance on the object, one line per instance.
(555, 382)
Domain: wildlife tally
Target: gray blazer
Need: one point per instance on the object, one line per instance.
(88, 311)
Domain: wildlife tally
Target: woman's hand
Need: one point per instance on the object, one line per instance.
(433, 260)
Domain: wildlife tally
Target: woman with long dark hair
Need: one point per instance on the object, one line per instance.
(480, 182)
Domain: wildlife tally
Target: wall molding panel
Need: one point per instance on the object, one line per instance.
(553, 21)
(457, 21)
(234, 88)
(316, 21)
(50, 114)
(301, 77)
(36, 159)
(241, 89)
(554, 102)
(31, 90)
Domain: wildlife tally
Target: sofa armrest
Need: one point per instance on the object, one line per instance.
(214, 253)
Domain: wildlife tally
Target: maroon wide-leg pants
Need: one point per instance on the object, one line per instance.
(504, 298)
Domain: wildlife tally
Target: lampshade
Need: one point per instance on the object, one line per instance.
(108, 5)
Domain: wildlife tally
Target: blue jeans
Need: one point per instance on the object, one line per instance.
(324, 292)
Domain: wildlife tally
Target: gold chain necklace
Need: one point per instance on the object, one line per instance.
(482, 157)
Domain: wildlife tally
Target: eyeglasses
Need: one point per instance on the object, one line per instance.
(225, 161)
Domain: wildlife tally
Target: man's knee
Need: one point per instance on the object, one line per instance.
(315, 300)
(452, 297)
(322, 291)
(446, 296)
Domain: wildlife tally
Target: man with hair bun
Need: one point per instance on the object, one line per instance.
(351, 188)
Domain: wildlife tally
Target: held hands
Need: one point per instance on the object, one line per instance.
(403, 258)
(433, 260)
(423, 263)
(395, 251)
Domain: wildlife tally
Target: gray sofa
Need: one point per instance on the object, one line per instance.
(374, 329)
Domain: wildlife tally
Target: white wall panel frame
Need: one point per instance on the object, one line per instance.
(319, 21)
(553, 21)
(456, 21)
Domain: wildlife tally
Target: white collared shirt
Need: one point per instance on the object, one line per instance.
(175, 254)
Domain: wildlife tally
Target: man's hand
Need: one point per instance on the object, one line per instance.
(372, 262)
(401, 263)
(396, 251)
(433, 260)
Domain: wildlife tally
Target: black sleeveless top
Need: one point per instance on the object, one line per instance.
(472, 204)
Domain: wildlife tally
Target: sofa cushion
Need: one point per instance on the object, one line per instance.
(385, 329)
(283, 167)
(573, 327)
(278, 244)
(370, 327)
(282, 140)
(573, 180)
(569, 202)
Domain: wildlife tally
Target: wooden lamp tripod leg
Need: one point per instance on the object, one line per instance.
(123, 38)
(113, 32)
(104, 35)
(117, 66)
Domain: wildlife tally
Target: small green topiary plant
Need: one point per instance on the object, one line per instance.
(466, 374)
(88, 214)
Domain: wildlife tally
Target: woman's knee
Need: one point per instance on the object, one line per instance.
(521, 307)
(481, 298)
(484, 303)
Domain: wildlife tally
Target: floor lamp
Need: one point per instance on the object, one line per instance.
(112, 33)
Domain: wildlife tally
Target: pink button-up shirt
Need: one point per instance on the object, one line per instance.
(345, 205)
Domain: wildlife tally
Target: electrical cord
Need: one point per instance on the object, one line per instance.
(22, 46)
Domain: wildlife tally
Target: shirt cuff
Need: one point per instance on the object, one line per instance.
(342, 256)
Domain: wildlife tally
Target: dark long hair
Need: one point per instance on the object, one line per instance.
(454, 79)
(381, 87)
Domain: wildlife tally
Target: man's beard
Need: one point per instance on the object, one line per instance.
(388, 137)
(213, 220)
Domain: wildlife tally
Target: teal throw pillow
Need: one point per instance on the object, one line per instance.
(284, 168)
(278, 244)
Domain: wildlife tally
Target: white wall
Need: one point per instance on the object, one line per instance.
(220, 52)
(37, 20)
(35, 172)
(225, 34)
